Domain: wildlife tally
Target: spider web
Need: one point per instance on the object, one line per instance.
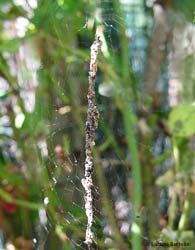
(66, 184)
(134, 18)
(119, 193)
(138, 26)
(67, 170)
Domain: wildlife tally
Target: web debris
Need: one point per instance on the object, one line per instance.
(91, 125)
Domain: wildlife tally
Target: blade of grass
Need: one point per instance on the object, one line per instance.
(8, 198)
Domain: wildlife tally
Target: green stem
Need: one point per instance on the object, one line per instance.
(129, 123)
(187, 209)
(106, 203)
(172, 210)
(136, 228)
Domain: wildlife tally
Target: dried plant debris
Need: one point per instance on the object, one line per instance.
(91, 125)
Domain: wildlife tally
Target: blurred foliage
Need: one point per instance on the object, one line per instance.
(187, 8)
(181, 120)
(144, 155)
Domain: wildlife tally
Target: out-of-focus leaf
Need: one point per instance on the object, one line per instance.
(78, 211)
(187, 235)
(32, 124)
(5, 72)
(57, 14)
(3, 2)
(8, 198)
(10, 45)
(170, 235)
(61, 94)
(62, 235)
(4, 94)
(106, 89)
(181, 120)
(13, 179)
(166, 179)
(3, 16)
(186, 7)
(5, 131)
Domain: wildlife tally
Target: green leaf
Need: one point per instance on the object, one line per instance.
(33, 124)
(13, 179)
(10, 45)
(4, 94)
(186, 7)
(165, 180)
(5, 73)
(181, 120)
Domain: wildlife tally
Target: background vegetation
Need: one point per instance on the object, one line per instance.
(144, 158)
